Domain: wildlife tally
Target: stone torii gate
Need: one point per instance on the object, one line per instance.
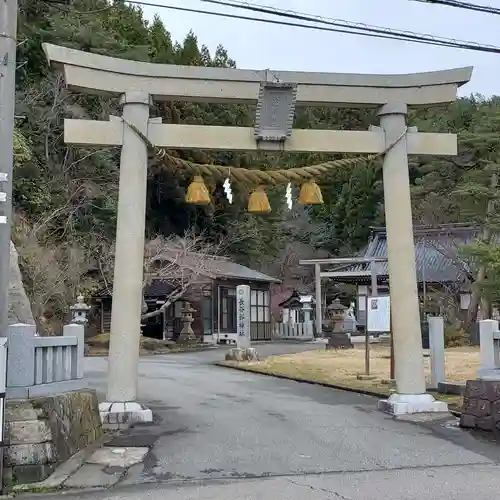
(277, 93)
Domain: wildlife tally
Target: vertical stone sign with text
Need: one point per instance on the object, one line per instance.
(243, 316)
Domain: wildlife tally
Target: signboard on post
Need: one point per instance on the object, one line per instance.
(243, 316)
(378, 314)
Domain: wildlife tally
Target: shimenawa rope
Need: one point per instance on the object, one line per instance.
(259, 177)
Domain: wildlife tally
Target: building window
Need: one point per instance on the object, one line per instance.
(228, 309)
(207, 310)
(207, 316)
(260, 306)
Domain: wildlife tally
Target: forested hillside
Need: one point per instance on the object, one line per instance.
(65, 197)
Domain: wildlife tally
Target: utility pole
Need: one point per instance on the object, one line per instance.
(8, 32)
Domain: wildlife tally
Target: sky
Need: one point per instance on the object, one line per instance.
(256, 45)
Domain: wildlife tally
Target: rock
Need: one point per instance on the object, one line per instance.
(250, 354)
(235, 354)
(151, 344)
(19, 304)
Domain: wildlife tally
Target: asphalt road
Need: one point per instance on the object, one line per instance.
(221, 433)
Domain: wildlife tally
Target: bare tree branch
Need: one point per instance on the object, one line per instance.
(182, 262)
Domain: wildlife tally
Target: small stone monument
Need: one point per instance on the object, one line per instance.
(334, 330)
(243, 351)
(307, 311)
(80, 311)
(187, 335)
(243, 316)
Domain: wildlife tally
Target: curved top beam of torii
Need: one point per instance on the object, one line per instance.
(93, 73)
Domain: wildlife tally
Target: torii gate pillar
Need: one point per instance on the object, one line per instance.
(121, 404)
(410, 396)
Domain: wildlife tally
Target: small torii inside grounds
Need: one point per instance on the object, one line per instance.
(338, 273)
(341, 262)
(277, 93)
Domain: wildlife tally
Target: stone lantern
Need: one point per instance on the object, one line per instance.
(337, 338)
(187, 335)
(80, 311)
(336, 313)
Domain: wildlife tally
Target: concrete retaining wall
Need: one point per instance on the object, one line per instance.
(43, 432)
(481, 408)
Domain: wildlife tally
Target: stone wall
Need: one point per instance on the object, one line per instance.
(43, 432)
(481, 409)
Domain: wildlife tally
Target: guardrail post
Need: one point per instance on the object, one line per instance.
(78, 331)
(488, 358)
(436, 344)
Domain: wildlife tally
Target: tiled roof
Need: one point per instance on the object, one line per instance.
(296, 298)
(229, 269)
(436, 251)
(213, 267)
(158, 288)
(217, 267)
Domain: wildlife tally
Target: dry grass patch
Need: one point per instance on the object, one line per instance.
(461, 363)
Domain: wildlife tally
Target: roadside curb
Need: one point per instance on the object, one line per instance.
(365, 392)
(157, 353)
(304, 381)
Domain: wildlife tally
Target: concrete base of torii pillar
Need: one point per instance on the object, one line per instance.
(118, 415)
(406, 404)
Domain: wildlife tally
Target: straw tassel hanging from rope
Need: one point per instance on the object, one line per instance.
(197, 192)
(258, 203)
(310, 194)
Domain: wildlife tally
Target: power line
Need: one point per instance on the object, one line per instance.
(54, 3)
(330, 25)
(362, 27)
(463, 5)
(348, 31)
(340, 26)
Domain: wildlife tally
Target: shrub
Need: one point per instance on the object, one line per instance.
(455, 337)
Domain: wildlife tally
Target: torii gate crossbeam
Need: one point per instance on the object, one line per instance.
(139, 83)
